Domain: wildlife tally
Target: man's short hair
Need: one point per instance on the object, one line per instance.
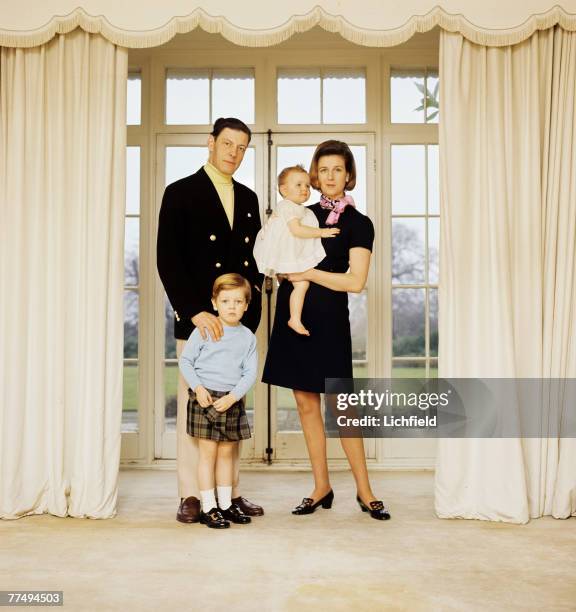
(231, 281)
(230, 122)
(334, 147)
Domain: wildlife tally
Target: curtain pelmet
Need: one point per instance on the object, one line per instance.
(386, 29)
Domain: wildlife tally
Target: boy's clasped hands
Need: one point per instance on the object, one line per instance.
(221, 404)
(209, 325)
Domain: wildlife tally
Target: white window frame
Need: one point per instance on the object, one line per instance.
(401, 453)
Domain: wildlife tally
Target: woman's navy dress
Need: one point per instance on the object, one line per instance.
(303, 362)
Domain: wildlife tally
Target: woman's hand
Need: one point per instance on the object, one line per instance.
(352, 281)
(307, 275)
(223, 403)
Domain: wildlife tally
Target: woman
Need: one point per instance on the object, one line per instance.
(302, 363)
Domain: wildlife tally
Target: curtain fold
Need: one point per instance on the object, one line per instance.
(507, 297)
(62, 173)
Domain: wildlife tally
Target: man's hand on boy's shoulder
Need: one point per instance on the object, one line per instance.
(208, 324)
(204, 398)
(223, 403)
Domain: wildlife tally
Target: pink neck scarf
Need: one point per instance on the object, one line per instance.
(336, 206)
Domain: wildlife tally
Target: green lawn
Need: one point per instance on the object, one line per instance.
(130, 401)
(413, 372)
(284, 396)
(131, 385)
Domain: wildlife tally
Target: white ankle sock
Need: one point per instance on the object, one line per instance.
(224, 497)
(208, 500)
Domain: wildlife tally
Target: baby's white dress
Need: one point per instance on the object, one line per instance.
(276, 250)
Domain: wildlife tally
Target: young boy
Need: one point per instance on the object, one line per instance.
(219, 374)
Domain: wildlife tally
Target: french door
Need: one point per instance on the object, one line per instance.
(272, 413)
(287, 150)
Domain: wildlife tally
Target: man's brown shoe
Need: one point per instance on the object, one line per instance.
(248, 507)
(189, 510)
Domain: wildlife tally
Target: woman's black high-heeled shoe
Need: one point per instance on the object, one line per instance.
(308, 506)
(377, 509)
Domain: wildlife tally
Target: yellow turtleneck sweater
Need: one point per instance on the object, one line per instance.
(224, 187)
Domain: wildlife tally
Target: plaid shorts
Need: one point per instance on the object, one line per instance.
(208, 423)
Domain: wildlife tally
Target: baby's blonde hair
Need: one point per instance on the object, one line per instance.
(288, 171)
(231, 281)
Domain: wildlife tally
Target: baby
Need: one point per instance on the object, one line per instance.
(290, 240)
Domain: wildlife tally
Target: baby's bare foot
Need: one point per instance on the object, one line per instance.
(298, 327)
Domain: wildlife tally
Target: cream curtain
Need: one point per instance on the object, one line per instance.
(507, 301)
(62, 166)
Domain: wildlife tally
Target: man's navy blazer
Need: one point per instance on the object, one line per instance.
(196, 244)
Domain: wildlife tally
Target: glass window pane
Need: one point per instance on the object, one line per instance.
(249, 405)
(170, 341)
(183, 161)
(359, 192)
(433, 181)
(408, 179)
(408, 322)
(299, 95)
(131, 246)
(360, 370)
(287, 418)
(358, 306)
(408, 251)
(407, 96)
(409, 369)
(187, 97)
(171, 372)
(432, 100)
(433, 249)
(134, 99)
(291, 156)
(130, 398)
(433, 368)
(246, 173)
(130, 324)
(132, 180)
(233, 94)
(344, 95)
(433, 311)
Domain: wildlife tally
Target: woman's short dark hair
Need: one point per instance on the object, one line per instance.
(333, 147)
(230, 122)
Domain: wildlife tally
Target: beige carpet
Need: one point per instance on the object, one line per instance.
(338, 559)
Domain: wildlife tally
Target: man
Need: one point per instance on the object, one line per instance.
(207, 227)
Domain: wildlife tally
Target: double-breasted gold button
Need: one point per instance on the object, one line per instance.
(212, 237)
(246, 264)
(249, 214)
(218, 264)
(246, 239)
